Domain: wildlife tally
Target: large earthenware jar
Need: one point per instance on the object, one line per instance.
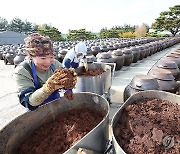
(10, 56)
(147, 49)
(95, 50)
(104, 57)
(118, 57)
(140, 83)
(61, 55)
(168, 65)
(165, 80)
(176, 56)
(91, 58)
(128, 56)
(173, 57)
(1, 54)
(19, 57)
(142, 52)
(151, 48)
(136, 54)
(103, 48)
(116, 46)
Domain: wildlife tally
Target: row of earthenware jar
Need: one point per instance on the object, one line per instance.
(164, 76)
(123, 52)
(126, 56)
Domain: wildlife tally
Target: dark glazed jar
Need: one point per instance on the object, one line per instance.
(118, 57)
(103, 48)
(142, 52)
(147, 49)
(95, 50)
(116, 46)
(104, 57)
(10, 57)
(136, 54)
(128, 56)
(173, 57)
(1, 55)
(168, 65)
(151, 48)
(91, 58)
(61, 55)
(165, 80)
(19, 57)
(110, 47)
(140, 83)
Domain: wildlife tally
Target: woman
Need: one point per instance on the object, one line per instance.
(75, 55)
(35, 77)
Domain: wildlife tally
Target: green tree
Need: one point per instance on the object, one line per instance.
(124, 28)
(3, 24)
(109, 33)
(16, 25)
(34, 27)
(52, 32)
(80, 34)
(27, 27)
(169, 20)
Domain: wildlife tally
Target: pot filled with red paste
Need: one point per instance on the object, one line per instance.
(61, 126)
(97, 79)
(148, 122)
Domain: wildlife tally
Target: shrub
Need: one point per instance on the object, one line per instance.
(127, 35)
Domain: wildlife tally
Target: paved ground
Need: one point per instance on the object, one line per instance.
(10, 108)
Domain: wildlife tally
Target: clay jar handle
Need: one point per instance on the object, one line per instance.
(139, 86)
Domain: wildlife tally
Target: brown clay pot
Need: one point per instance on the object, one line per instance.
(104, 57)
(10, 57)
(140, 83)
(19, 57)
(147, 49)
(136, 54)
(174, 58)
(95, 50)
(118, 57)
(168, 65)
(128, 56)
(142, 52)
(165, 80)
(151, 47)
(61, 55)
(91, 58)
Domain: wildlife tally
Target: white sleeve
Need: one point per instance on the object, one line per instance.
(72, 56)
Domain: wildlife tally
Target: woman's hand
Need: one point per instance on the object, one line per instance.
(61, 79)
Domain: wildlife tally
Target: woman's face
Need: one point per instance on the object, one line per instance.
(43, 62)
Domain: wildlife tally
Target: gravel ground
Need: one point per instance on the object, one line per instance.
(9, 106)
(7, 84)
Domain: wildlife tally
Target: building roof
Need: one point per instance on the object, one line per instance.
(10, 37)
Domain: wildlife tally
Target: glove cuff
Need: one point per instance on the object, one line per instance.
(39, 96)
(47, 89)
(69, 90)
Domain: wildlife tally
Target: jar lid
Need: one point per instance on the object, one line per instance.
(166, 64)
(144, 82)
(127, 51)
(104, 55)
(117, 52)
(161, 74)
